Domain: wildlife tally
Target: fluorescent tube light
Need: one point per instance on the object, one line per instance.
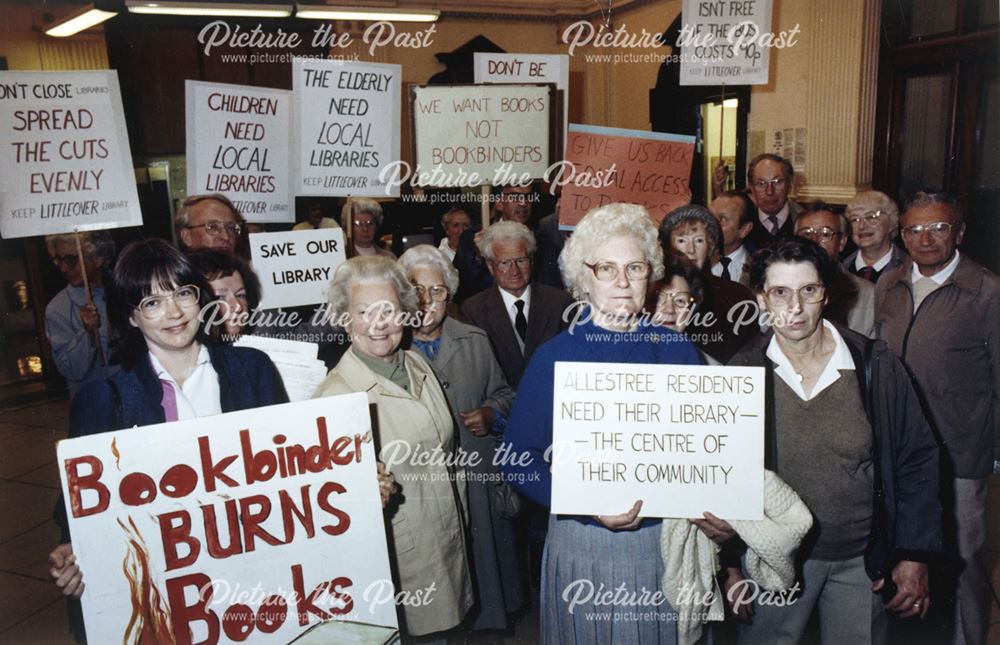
(80, 21)
(315, 12)
(179, 8)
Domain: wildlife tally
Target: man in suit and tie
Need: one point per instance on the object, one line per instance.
(770, 179)
(735, 213)
(515, 313)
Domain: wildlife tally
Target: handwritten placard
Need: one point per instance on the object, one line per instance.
(65, 154)
(247, 526)
(491, 67)
(347, 127)
(683, 439)
(471, 135)
(295, 267)
(728, 42)
(605, 165)
(237, 144)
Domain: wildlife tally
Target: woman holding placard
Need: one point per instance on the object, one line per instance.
(607, 263)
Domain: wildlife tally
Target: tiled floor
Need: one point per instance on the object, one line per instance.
(31, 607)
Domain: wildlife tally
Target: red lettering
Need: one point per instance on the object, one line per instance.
(209, 471)
(76, 482)
(272, 614)
(304, 515)
(259, 467)
(215, 548)
(173, 534)
(182, 615)
(305, 605)
(252, 520)
(344, 522)
(179, 481)
(137, 489)
(238, 622)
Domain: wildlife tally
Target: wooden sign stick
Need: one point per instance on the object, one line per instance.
(86, 288)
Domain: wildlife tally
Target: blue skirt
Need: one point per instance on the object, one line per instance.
(603, 587)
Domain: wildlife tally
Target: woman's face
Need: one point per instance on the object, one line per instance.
(793, 320)
(230, 290)
(374, 326)
(167, 324)
(691, 240)
(363, 229)
(429, 282)
(673, 304)
(621, 297)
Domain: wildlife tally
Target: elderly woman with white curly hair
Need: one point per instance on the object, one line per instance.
(412, 421)
(613, 255)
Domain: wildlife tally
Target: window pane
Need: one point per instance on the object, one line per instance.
(933, 17)
(988, 148)
(988, 10)
(925, 132)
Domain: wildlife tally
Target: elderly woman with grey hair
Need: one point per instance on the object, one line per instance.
(608, 263)
(374, 296)
(364, 216)
(874, 220)
(480, 399)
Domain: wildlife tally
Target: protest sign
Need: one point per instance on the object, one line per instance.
(347, 128)
(237, 144)
(252, 525)
(65, 154)
(605, 165)
(476, 135)
(728, 42)
(525, 68)
(295, 267)
(683, 439)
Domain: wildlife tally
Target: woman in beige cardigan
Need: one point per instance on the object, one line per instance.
(414, 434)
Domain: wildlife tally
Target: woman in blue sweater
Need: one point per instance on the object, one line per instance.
(608, 264)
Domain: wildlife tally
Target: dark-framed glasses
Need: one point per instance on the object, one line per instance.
(807, 294)
(609, 271)
(816, 234)
(215, 227)
(153, 307)
(68, 260)
(936, 229)
(870, 217)
(437, 292)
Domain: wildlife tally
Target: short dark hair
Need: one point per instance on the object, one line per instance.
(216, 263)
(928, 197)
(791, 250)
(141, 266)
(748, 212)
(767, 156)
(819, 206)
(676, 266)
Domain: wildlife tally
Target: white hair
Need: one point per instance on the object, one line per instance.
(364, 205)
(874, 199)
(425, 256)
(369, 269)
(507, 232)
(598, 226)
(454, 209)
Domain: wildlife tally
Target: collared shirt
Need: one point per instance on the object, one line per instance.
(199, 396)
(447, 249)
(782, 216)
(394, 371)
(509, 301)
(738, 259)
(941, 276)
(840, 360)
(881, 263)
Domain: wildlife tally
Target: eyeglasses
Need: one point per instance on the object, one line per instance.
(762, 184)
(680, 299)
(523, 264)
(808, 294)
(364, 224)
(215, 227)
(153, 307)
(866, 218)
(936, 229)
(609, 271)
(438, 292)
(816, 234)
(68, 260)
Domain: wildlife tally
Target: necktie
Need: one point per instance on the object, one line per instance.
(725, 261)
(772, 221)
(868, 273)
(520, 321)
(169, 401)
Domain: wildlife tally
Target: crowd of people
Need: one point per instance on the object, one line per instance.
(882, 399)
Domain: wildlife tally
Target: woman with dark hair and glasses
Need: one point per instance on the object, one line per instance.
(845, 429)
(235, 287)
(170, 369)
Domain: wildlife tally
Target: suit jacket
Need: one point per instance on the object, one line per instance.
(952, 346)
(761, 238)
(899, 256)
(486, 311)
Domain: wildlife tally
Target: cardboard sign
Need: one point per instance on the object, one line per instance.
(727, 42)
(684, 439)
(295, 267)
(237, 144)
(474, 135)
(525, 68)
(347, 128)
(605, 165)
(252, 525)
(65, 154)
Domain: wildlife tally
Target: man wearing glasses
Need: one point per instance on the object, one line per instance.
(874, 220)
(209, 222)
(770, 178)
(940, 311)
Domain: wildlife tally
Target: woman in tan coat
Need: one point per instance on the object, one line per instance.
(414, 433)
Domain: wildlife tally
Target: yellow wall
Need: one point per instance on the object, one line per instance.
(17, 40)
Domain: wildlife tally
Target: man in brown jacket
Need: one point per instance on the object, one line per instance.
(940, 312)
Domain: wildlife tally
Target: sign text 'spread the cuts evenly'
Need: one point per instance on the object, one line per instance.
(65, 154)
(295, 267)
(347, 128)
(683, 439)
(248, 526)
(238, 145)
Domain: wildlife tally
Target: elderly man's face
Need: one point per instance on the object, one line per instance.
(727, 211)
(375, 327)
(515, 204)
(511, 266)
(211, 225)
(931, 250)
(769, 186)
(874, 233)
(66, 259)
(822, 228)
(456, 224)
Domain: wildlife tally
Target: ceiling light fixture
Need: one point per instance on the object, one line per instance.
(315, 12)
(79, 21)
(181, 8)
